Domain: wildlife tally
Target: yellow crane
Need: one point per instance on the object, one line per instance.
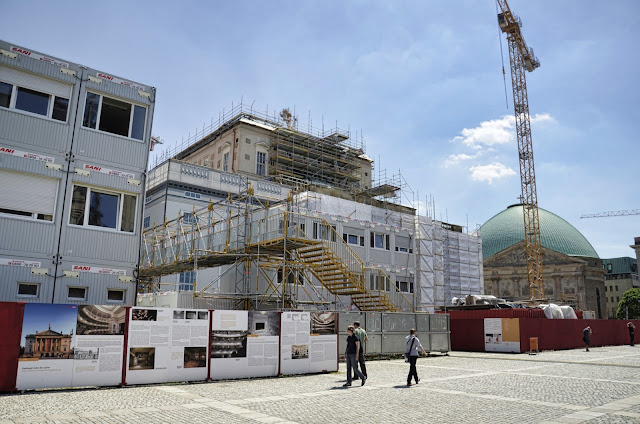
(522, 58)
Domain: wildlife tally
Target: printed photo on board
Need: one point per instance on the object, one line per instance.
(144, 314)
(142, 358)
(195, 357)
(228, 344)
(299, 351)
(324, 323)
(100, 320)
(47, 331)
(264, 323)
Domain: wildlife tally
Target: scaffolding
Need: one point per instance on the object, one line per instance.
(246, 234)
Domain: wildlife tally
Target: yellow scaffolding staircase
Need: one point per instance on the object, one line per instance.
(279, 238)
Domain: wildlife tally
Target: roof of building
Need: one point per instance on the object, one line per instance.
(507, 228)
(624, 265)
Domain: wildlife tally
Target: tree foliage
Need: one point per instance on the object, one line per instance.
(630, 300)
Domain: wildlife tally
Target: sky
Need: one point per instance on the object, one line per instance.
(420, 80)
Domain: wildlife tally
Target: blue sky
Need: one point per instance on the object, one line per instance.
(421, 79)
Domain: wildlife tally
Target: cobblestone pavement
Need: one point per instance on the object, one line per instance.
(601, 386)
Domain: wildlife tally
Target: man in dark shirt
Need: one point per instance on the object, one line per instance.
(632, 333)
(351, 356)
(586, 336)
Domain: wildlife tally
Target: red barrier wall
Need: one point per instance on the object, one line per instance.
(467, 334)
(10, 331)
(567, 334)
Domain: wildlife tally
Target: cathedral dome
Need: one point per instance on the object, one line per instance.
(507, 228)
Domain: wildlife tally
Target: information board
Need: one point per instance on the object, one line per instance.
(167, 345)
(502, 335)
(295, 342)
(244, 344)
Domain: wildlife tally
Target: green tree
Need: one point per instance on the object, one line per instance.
(630, 302)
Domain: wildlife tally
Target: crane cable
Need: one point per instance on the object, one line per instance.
(504, 75)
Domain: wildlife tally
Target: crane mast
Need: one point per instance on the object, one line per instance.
(522, 58)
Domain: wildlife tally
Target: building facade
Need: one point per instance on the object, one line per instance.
(329, 200)
(621, 275)
(572, 270)
(48, 344)
(74, 146)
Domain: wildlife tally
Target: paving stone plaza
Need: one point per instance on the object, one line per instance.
(601, 386)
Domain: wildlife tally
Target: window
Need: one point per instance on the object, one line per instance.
(5, 94)
(189, 218)
(37, 101)
(146, 223)
(605, 288)
(616, 288)
(403, 286)
(353, 239)
(27, 195)
(261, 160)
(192, 195)
(322, 231)
(28, 289)
(225, 162)
(617, 298)
(77, 293)
(114, 116)
(380, 241)
(185, 281)
(98, 208)
(115, 295)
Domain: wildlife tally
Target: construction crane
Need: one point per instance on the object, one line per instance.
(612, 213)
(522, 58)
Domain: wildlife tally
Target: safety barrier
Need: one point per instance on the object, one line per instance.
(61, 346)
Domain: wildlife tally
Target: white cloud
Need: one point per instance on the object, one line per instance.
(494, 171)
(453, 160)
(495, 131)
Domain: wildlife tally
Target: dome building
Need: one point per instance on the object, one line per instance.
(572, 269)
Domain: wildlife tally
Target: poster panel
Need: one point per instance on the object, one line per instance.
(167, 345)
(323, 348)
(46, 346)
(244, 344)
(502, 335)
(295, 339)
(99, 344)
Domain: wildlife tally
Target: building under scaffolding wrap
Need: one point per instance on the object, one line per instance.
(314, 232)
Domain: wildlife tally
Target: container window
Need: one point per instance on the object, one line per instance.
(5, 94)
(27, 195)
(103, 210)
(91, 110)
(32, 101)
(115, 295)
(91, 207)
(60, 108)
(28, 289)
(77, 293)
(115, 116)
(128, 213)
(137, 127)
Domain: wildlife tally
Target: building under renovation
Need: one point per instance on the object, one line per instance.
(254, 212)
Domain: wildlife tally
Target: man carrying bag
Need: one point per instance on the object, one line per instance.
(411, 355)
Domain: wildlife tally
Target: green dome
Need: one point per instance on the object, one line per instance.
(507, 228)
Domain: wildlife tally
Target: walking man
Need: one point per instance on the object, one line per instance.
(362, 336)
(632, 332)
(351, 355)
(413, 345)
(586, 337)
